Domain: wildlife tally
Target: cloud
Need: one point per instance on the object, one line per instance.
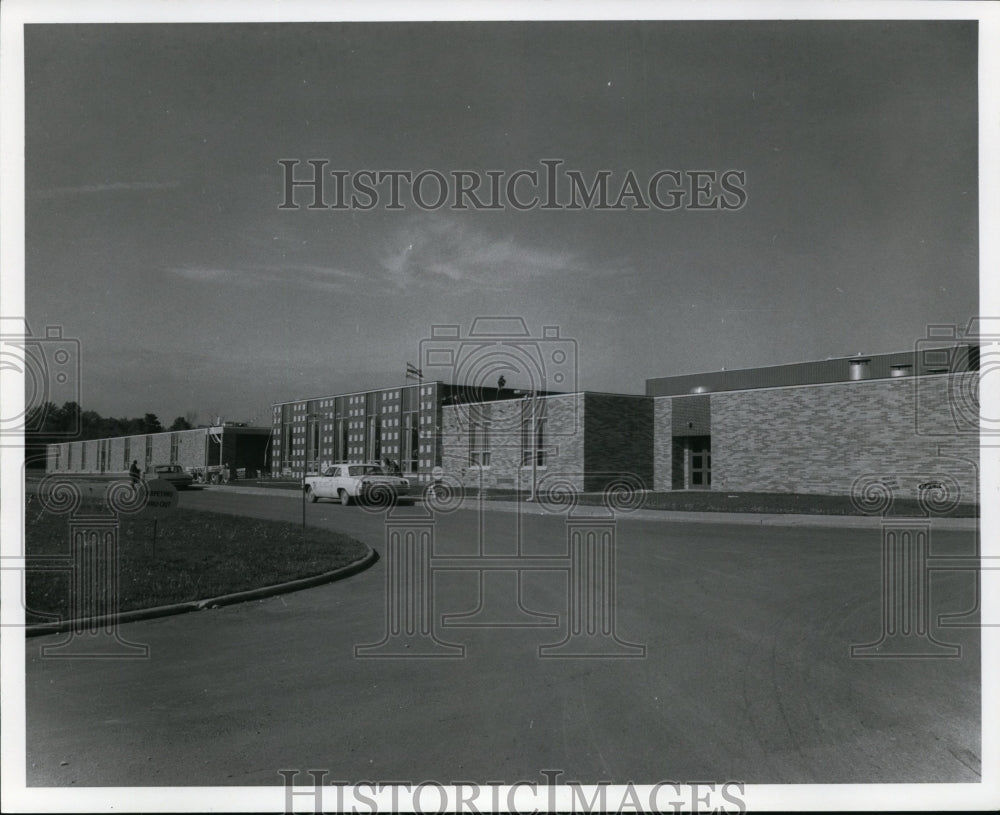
(442, 252)
(114, 187)
(315, 277)
(429, 254)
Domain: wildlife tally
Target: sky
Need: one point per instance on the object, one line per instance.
(154, 233)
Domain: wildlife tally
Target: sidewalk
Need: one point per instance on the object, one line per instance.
(663, 515)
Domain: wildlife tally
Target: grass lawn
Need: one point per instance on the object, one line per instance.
(197, 555)
(761, 502)
(708, 501)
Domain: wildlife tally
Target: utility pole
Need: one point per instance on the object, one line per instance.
(305, 464)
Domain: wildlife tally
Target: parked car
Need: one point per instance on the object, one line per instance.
(348, 482)
(173, 473)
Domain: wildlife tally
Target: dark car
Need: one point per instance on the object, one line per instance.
(173, 473)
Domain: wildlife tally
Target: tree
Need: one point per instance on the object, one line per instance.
(150, 424)
(180, 423)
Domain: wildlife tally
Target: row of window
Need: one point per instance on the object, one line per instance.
(533, 449)
(104, 453)
(356, 399)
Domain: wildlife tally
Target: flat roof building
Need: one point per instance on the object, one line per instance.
(201, 451)
(909, 418)
(401, 425)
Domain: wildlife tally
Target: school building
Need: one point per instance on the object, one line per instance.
(911, 418)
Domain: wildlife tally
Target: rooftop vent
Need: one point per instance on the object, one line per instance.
(860, 369)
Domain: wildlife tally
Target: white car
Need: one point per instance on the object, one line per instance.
(356, 482)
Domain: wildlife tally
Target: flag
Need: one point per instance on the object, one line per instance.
(413, 372)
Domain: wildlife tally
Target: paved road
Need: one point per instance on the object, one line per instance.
(747, 674)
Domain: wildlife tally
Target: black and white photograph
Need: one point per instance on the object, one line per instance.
(499, 407)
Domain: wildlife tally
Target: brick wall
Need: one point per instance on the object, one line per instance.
(190, 452)
(618, 438)
(564, 440)
(662, 442)
(819, 438)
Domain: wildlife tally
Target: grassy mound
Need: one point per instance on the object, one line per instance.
(196, 555)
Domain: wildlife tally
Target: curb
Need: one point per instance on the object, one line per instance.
(772, 519)
(40, 629)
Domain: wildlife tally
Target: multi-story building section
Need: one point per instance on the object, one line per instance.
(400, 425)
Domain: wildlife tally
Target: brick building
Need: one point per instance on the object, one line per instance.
(816, 427)
(585, 439)
(812, 427)
(401, 424)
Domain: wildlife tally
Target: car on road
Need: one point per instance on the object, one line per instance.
(351, 481)
(173, 473)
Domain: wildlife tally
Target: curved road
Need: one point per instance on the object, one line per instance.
(746, 676)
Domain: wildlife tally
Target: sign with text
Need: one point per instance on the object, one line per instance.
(162, 499)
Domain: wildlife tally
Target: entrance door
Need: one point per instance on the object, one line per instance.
(691, 465)
(701, 462)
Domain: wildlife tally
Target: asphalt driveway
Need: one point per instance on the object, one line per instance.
(746, 674)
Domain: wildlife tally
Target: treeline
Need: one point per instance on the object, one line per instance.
(50, 424)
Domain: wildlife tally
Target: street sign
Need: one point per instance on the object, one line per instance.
(162, 499)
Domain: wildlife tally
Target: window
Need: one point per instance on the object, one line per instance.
(174, 447)
(526, 440)
(541, 453)
(533, 454)
(55, 456)
(377, 439)
(149, 450)
(69, 456)
(83, 456)
(411, 442)
(127, 454)
(479, 436)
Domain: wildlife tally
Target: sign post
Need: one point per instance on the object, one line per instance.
(162, 499)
